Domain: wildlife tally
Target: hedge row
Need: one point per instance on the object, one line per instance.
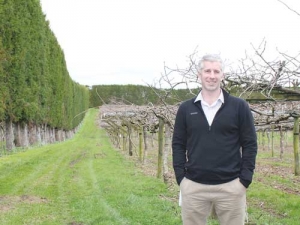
(35, 86)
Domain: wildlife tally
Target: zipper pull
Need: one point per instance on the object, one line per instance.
(209, 128)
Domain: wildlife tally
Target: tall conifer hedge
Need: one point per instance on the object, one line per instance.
(35, 86)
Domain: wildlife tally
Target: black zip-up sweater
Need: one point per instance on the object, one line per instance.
(218, 153)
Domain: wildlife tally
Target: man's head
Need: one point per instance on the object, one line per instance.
(211, 58)
(210, 72)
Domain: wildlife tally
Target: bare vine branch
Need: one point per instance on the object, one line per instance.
(289, 7)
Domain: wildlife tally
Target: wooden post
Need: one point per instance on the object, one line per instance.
(296, 145)
(263, 138)
(124, 141)
(152, 140)
(167, 149)
(119, 138)
(258, 133)
(141, 150)
(145, 143)
(272, 140)
(281, 141)
(268, 136)
(286, 136)
(160, 147)
(129, 140)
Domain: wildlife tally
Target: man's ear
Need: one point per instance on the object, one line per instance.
(223, 77)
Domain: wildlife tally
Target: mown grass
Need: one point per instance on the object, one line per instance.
(273, 206)
(81, 181)
(87, 181)
(274, 196)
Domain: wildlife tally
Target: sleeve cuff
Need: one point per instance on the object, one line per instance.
(245, 183)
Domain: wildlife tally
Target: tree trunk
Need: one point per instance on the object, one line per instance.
(39, 135)
(56, 135)
(9, 135)
(2, 138)
(47, 135)
(43, 134)
(24, 135)
(63, 135)
(32, 134)
(52, 135)
(17, 134)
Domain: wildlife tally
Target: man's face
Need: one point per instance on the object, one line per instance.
(211, 76)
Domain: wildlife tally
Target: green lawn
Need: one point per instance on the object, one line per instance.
(81, 181)
(274, 196)
(88, 181)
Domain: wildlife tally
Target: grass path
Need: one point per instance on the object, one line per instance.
(81, 181)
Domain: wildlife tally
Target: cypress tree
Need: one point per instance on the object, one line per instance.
(35, 84)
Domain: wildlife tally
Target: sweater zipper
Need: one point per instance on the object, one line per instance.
(209, 126)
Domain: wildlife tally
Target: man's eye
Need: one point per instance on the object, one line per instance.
(207, 71)
(217, 71)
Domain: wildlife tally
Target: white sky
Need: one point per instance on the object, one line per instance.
(128, 41)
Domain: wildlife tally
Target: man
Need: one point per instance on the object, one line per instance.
(214, 149)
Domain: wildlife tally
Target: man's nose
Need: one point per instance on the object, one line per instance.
(212, 74)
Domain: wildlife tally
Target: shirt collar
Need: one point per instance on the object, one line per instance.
(200, 98)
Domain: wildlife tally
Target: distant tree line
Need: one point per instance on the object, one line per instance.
(35, 86)
(144, 95)
(136, 94)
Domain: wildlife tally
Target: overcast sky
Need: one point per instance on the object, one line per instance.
(128, 41)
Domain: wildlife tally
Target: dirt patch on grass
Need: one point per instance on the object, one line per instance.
(8, 203)
(267, 209)
(101, 154)
(79, 158)
(32, 199)
(283, 169)
(75, 223)
(268, 170)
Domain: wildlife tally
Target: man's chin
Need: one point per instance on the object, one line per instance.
(212, 88)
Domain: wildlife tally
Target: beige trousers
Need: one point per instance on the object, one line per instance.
(229, 200)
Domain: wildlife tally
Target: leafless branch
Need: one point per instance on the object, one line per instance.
(289, 7)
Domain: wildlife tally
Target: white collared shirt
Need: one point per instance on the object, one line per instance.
(210, 110)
